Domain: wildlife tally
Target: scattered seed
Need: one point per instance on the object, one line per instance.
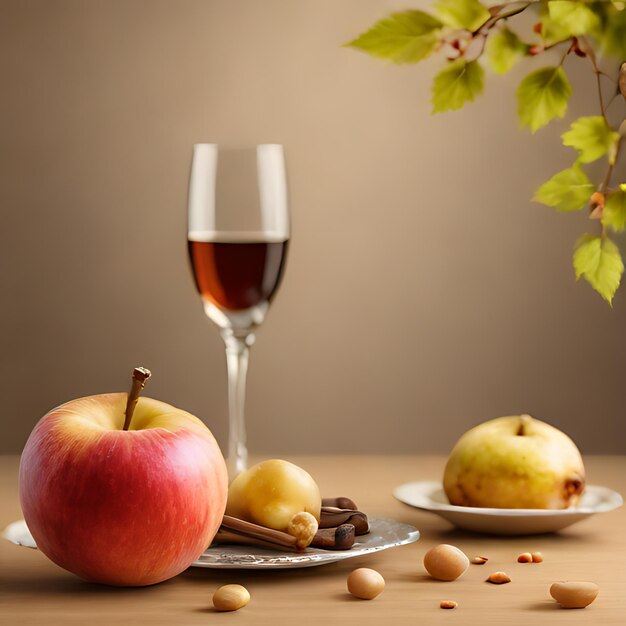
(230, 598)
(479, 560)
(498, 578)
(574, 595)
(537, 557)
(448, 604)
(525, 557)
(445, 562)
(365, 583)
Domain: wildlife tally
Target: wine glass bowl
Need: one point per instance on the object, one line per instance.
(237, 275)
(238, 236)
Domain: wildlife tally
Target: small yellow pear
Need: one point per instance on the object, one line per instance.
(272, 492)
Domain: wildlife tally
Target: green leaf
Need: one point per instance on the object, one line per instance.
(551, 31)
(615, 210)
(568, 190)
(456, 84)
(466, 14)
(542, 96)
(406, 37)
(573, 17)
(504, 48)
(592, 137)
(613, 36)
(598, 260)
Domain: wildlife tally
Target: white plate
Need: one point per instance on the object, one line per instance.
(429, 496)
(384, 534)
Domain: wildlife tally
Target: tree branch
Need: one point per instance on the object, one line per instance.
(494, 19)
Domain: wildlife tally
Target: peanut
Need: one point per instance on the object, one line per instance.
(537, 557)
(448, 604)
(574, 595)
(479, 560)
(498, 578)
(445, 562)
(365, 583)
(303, 527)
(230, 598)
(525, 557)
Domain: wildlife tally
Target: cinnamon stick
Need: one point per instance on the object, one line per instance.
(227, 536)
(254, 531)
(331, 517)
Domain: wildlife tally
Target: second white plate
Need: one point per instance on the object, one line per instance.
(428, 495)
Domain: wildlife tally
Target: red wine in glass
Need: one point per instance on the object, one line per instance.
(238, 271)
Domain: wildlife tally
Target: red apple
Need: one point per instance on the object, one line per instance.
(122, 507)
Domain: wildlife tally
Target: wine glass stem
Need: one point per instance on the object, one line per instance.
(237, 350)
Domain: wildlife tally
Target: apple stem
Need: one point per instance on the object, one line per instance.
(140, 376)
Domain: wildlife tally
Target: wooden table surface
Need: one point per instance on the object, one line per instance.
(35, 591)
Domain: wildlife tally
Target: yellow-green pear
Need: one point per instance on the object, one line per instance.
(514, 462)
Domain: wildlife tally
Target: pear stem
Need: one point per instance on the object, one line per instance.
(524, 422)
(140, 376)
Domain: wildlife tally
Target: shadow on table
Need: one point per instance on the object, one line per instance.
(260, 577)
(337, 597)
(546, 605)
(68, 584)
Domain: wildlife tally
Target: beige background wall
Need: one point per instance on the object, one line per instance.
(424, 292)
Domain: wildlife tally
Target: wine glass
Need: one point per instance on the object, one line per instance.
(238, 234)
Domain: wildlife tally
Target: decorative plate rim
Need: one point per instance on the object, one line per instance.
(311, 558)
(17, 533)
